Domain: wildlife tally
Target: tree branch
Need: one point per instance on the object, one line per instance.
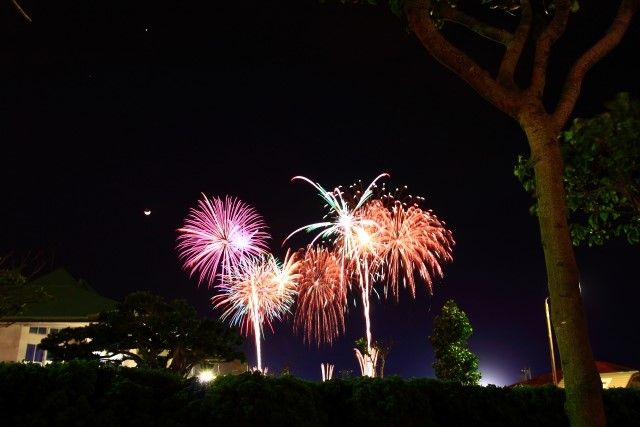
(478, 78)
(514, 48)
(21, 10)
(131, 356)
(550, 34)
(498, 35)
(606, 44)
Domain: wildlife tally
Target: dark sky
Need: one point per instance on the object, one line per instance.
(108, 108)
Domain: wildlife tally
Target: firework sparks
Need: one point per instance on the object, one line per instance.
(345, 222)
(367, 361)
(409, 240)
(321, 297)
(386, 238)
(257, 291)
(353, 235)
(327, 371)
(218, 235)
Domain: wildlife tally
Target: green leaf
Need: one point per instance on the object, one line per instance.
(601, 158)
(575, 6)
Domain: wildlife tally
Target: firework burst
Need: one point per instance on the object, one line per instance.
(343, 219)
(218, 235)
(345, 228)
(384, 237)
(321, 298)
(352, 234)
(409, 240)
(258, 290)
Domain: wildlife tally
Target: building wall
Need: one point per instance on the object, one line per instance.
(614, 379)
(234, 367)
(9, 342)
(15, 338)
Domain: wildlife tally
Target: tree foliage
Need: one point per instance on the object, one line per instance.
(16, 293)
(383, 348)
(454, 361)
(153, 333)
(601, 174)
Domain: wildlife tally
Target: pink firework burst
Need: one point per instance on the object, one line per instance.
(321, 297)
(256, 291)
(409, 240)
(218, 235)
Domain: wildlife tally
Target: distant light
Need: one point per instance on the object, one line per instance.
(494, 376)
(146, 29)
(147, 212)
(206, 376)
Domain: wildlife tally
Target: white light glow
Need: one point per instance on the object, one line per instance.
(206, 376)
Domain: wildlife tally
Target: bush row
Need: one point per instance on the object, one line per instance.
(85, 393)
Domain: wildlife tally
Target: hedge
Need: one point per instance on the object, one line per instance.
(90, 394)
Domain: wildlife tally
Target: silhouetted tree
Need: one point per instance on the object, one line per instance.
(16, 291)
(383, 348)
(151, 332)
(454, 361)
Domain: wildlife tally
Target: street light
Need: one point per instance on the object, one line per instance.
(550, 335)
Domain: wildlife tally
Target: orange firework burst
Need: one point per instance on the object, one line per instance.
(321, 297)
(409, 240)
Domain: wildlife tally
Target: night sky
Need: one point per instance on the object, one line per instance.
(109, 108)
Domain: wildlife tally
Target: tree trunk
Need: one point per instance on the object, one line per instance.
(583, 386)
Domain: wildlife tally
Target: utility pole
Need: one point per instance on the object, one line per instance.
(550, 335)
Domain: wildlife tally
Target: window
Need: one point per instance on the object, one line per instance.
(34, 354)
(38, 330)
(53, 330)
(31, 348)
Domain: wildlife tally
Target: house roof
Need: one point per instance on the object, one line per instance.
(602, 367)
(71, 300)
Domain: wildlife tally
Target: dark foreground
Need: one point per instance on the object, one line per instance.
(81, 393)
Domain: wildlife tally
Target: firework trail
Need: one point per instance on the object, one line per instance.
(321, 298)
(218, 235)
(258, 290)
